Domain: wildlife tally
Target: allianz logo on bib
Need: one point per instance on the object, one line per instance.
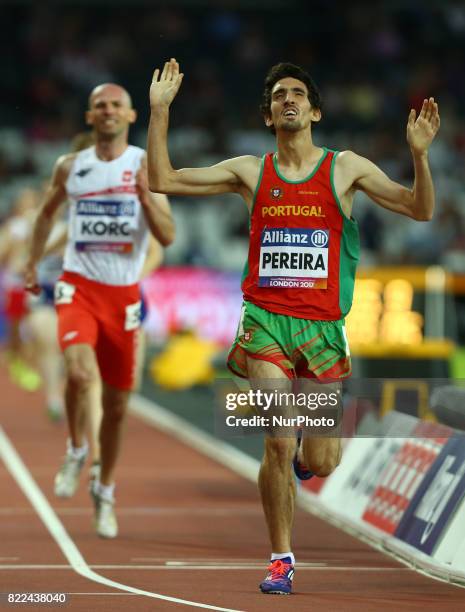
(319, 238)
(294, 258)
(86, 207)
(305, 237)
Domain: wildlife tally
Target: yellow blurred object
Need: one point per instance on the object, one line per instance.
(383, 313)
(23, 375)
(185, 362)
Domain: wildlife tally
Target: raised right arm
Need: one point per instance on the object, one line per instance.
(230, 176)
(54, 196)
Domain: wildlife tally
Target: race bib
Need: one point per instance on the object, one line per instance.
(133, 312)
(64, 293)
(294, 258)
(103, 225)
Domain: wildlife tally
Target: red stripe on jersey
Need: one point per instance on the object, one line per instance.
(110, 191)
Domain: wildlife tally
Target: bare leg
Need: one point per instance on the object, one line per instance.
(275, 481)
(140, 357)
(277, 489)
(322, 455)
(13, 340)
(42, 324)
(94, 417)
(115, 403)
(81, 373)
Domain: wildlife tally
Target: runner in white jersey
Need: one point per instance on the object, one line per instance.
(98, 297)
(106, 218)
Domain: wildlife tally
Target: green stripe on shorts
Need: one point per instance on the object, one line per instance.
(300, 347)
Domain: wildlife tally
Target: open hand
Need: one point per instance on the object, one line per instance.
(421, 130)
(166, 85)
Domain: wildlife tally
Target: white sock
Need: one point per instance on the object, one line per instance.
(275, 556)
(77, 452)
(105, 491)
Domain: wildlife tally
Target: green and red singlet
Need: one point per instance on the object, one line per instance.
(303, 249)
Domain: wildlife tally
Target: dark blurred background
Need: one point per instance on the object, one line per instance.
(372, 61)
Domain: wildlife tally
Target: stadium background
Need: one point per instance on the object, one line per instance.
(372, 63)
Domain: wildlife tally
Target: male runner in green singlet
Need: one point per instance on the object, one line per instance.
(299, 277)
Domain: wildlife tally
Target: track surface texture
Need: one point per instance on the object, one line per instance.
(190, 529)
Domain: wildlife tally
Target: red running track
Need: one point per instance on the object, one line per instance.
(189, 529)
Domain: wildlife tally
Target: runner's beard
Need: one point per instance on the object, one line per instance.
(291, 126)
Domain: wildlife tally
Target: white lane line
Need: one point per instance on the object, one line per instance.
(102, 594)
(252, 566)
(27, 484)
(238, 564)
(141, 511)
(214, 560)
(209, 561)
(237, 461)
(248, 467)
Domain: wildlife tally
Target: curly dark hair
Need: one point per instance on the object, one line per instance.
(281, 71)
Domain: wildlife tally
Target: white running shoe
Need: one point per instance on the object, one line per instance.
(67, 479)
(105, 522)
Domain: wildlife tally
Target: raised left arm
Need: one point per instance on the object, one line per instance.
(418, 202)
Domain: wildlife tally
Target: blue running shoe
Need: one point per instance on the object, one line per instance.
(300, 469)
(279, 577)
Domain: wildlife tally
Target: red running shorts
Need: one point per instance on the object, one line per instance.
(16, 303)
(107, 317)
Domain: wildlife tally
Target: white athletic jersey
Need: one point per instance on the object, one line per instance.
(107, 231)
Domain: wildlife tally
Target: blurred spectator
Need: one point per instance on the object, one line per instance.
(373, 62)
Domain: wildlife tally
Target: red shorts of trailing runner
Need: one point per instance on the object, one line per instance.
(16, 304)
(105, 316)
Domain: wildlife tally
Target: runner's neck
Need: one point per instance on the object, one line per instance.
(295, 151)
(110, 150)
